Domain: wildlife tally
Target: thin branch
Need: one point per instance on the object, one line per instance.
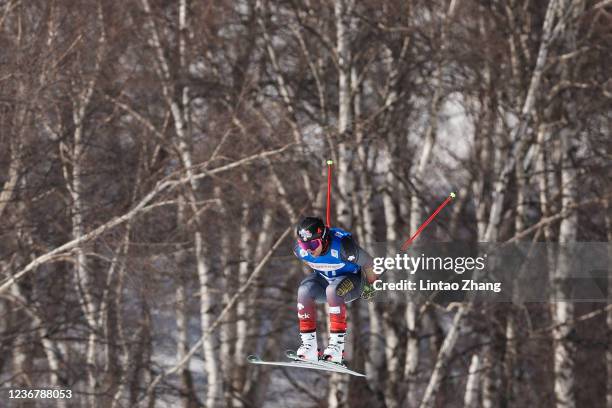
(164, 185)
(256, 272)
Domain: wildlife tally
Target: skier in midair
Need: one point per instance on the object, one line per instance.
(342, 272)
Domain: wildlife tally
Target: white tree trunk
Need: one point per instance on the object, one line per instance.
(412, 352)
(388, 332)
(511, 349)
(6, 193)
(338, 387)
(82, 281)
(416, 218)
(563, 308)
(374, 362)
(546, 183)
(391, 347)
(510, 356)
(608, 218)
(484, 155)
(82, 278)
(121, 338)
(489, 378)
(342, 12)
(262, 241)
(214, 396)
(444, 355)
(227, 332)
(235, 332)
(182, 314)
(517, 140)
(416, 203)
(245, 246)
(470, 399)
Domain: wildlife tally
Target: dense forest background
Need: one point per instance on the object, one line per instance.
(154, 156)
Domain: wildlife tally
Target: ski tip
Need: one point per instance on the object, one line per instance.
(253, 358)
(330, 162)
(453, 195)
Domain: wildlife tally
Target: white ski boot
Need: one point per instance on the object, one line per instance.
(334, 351)
(308, 350)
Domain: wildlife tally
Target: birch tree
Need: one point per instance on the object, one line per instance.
(179, 105)
(562, 306)
(609, 314)
(418, 173)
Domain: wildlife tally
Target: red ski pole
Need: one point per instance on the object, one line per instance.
(329, 178)
(431, 217)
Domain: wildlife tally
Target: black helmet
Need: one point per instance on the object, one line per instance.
(310, 228)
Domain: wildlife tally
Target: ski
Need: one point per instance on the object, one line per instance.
(335, 367)
(299, 363)
(253, 359)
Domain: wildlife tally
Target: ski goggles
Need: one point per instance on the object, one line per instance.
(311, 245)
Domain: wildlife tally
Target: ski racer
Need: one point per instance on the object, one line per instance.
(342, 271)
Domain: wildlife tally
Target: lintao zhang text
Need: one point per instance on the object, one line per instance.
(467, 285)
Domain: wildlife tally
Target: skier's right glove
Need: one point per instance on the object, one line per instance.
(368, 291)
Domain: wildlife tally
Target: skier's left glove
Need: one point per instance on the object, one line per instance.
(368, 291)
